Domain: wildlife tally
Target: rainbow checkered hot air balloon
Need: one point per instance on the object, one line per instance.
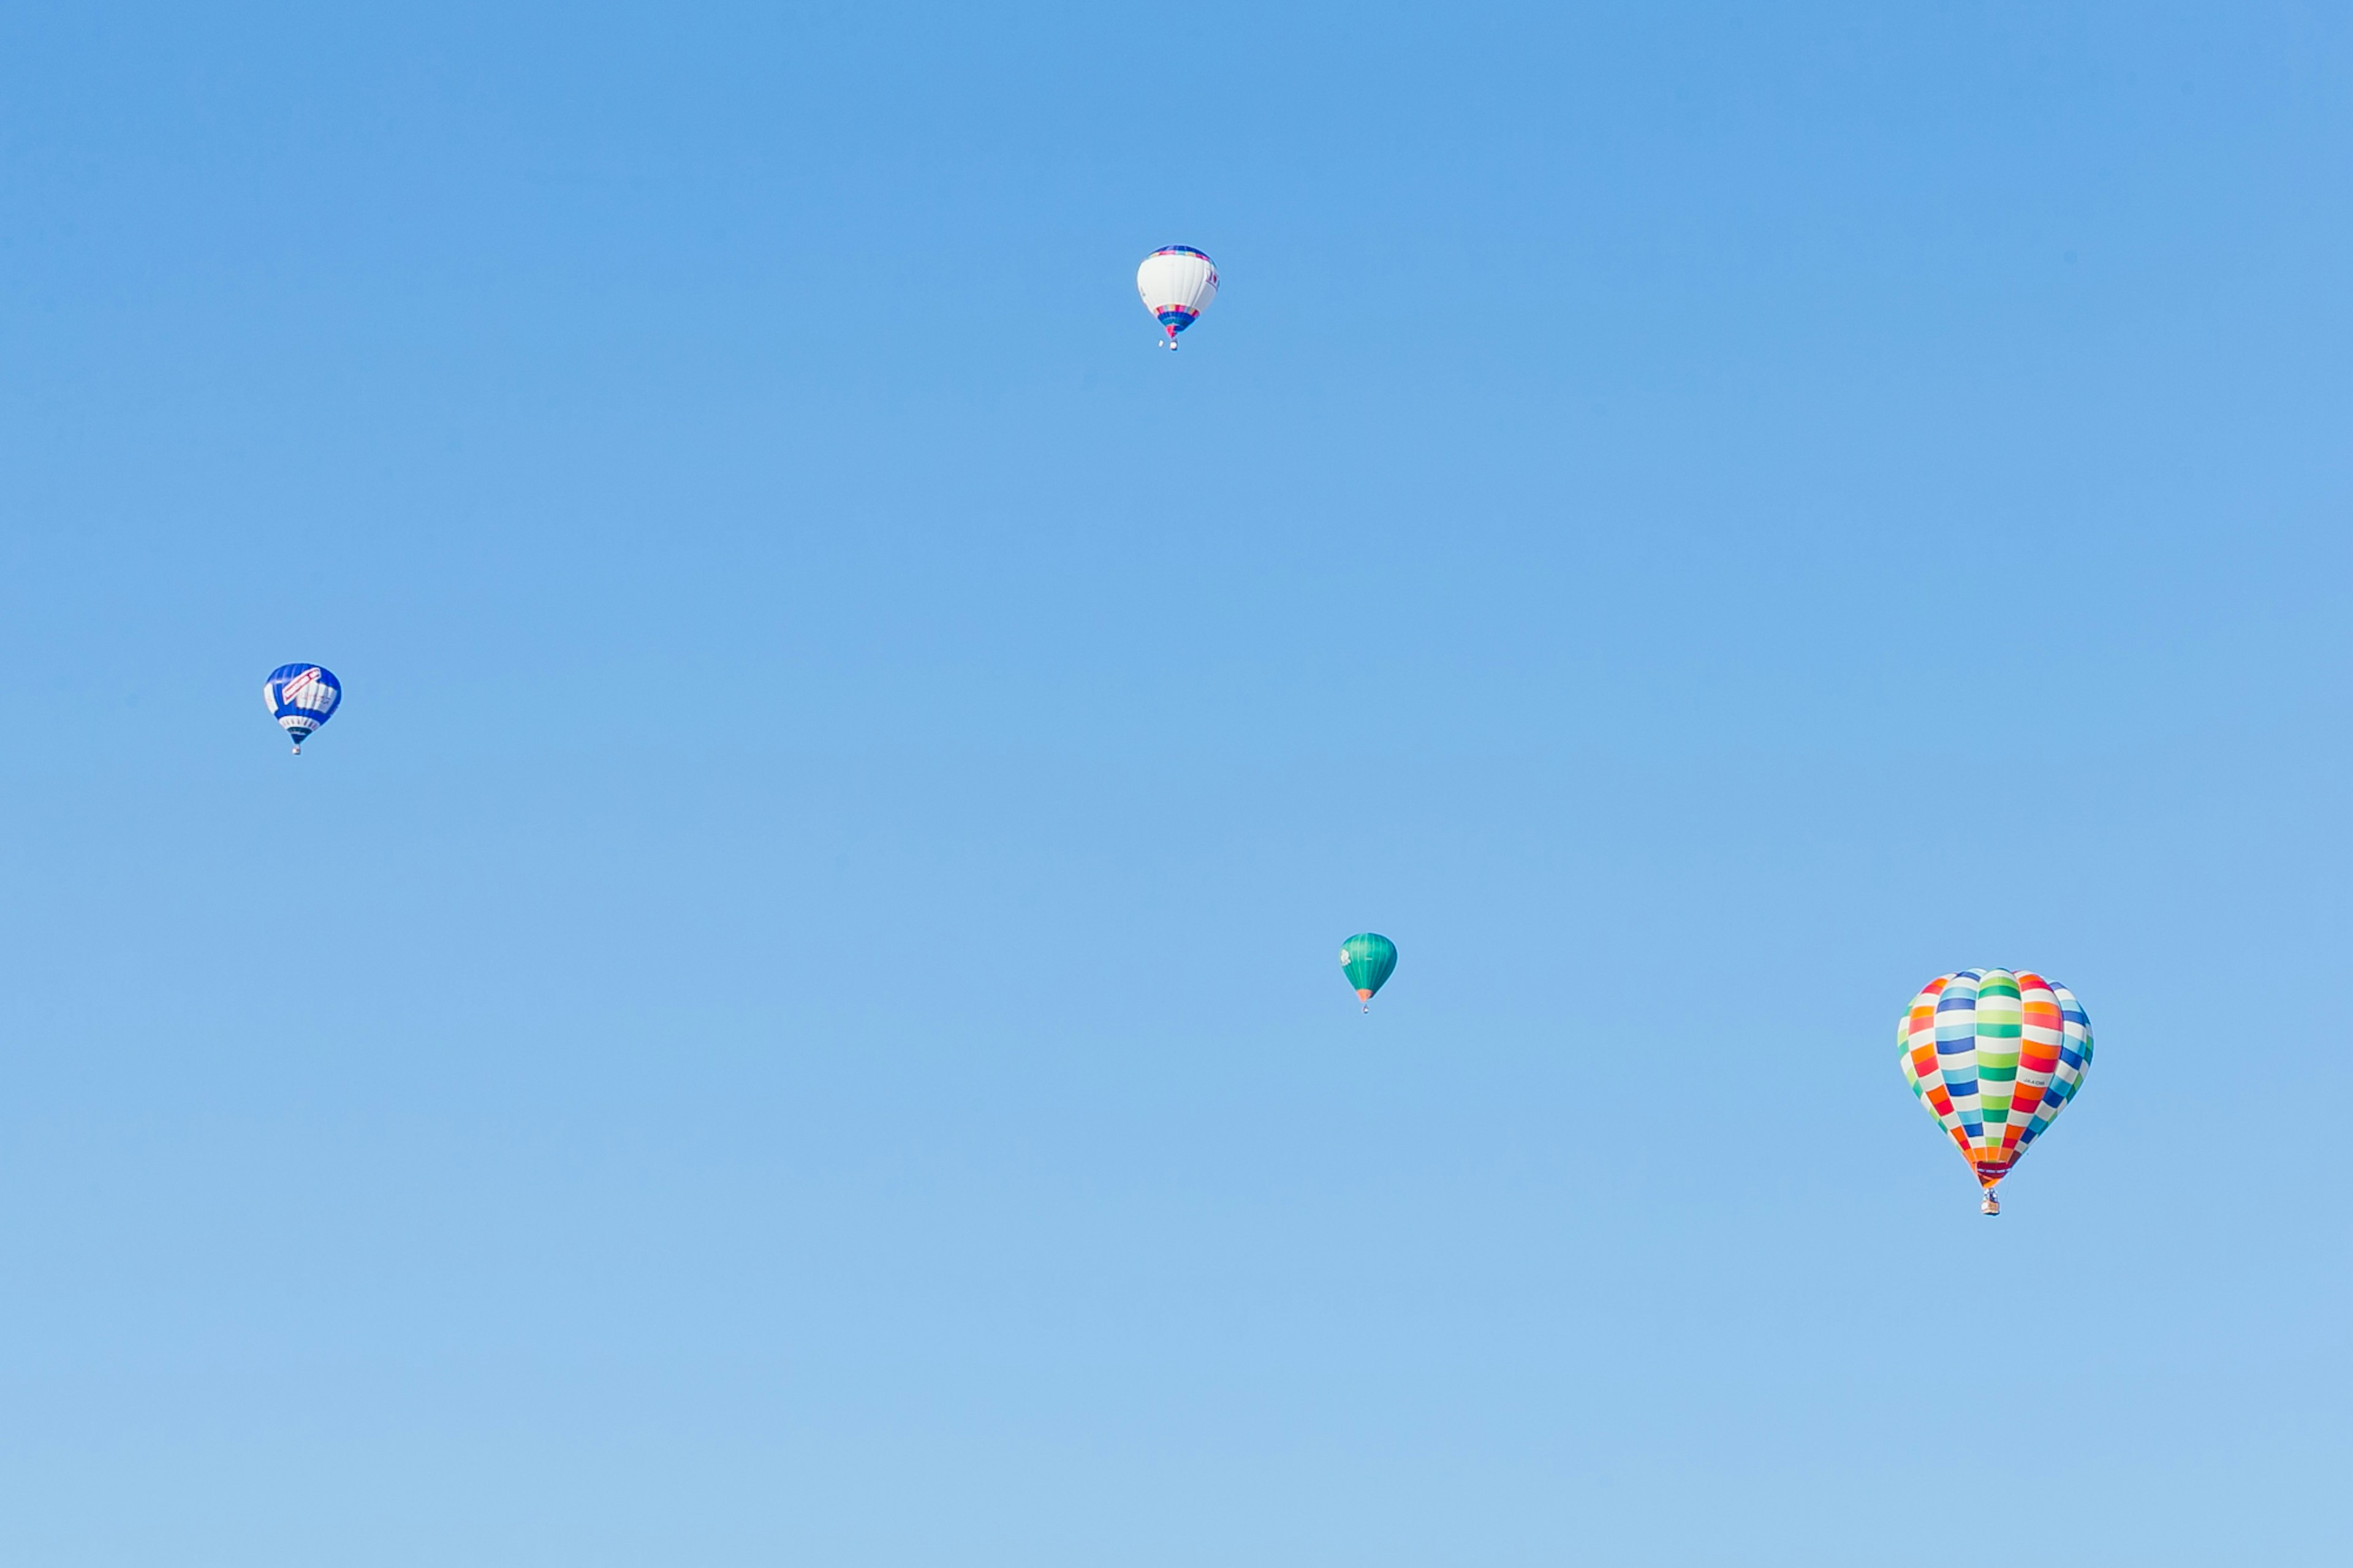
(1995, 1055)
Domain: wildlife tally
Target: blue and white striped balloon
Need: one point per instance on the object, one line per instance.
(301, 697)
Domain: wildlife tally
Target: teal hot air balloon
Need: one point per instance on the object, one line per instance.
(1367, 958)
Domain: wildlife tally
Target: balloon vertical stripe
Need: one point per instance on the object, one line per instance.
(1956, 1054)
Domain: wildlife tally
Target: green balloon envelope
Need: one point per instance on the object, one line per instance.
(1367, 958)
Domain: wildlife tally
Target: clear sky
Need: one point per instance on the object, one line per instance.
(793, 1018)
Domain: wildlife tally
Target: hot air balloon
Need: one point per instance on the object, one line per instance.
(1995, 1056)
(1367, 958)
(301, 697)
(1178, 282)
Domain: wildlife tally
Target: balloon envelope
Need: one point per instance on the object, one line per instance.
(1176, 283)
(1367, 958)
(301, 697)
(1995, 1055)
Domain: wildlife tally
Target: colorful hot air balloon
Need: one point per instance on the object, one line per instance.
(1178, 282)
(1367, 958)
(1995, 1057)
(301, 697)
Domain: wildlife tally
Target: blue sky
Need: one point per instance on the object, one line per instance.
(792, 1019)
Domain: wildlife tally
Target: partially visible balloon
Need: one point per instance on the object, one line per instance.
(301, 697)
(1995, 1056)
(1178, 282)
(1367, 958)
